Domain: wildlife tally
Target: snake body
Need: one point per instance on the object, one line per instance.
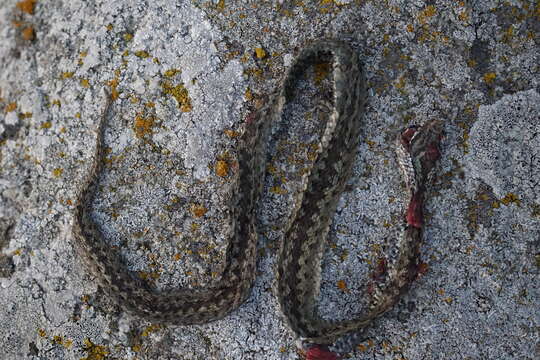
(298, 267)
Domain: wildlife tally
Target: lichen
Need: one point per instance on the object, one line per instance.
(180, 93)
(142, 54)
(222, 168)
(27, 6)
(198, 210)
(94, 352)
(11, 107)
(143, 126)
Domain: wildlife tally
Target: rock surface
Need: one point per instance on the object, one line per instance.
(184, 75)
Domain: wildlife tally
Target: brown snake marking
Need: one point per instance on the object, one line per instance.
(298, 267)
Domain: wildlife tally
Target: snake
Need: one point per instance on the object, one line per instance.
(299, 258)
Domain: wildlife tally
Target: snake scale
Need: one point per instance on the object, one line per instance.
(298, 268)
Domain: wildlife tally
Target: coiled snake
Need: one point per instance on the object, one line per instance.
(299, 259)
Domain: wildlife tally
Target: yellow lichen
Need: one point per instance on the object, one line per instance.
(172, 72)
(150, 329)
(128, 36)
(278, 190)
(400, 84)
(57, 172)
(508, 34)
(148, 275)
(85, 83)
(142, 54)
(489, 77)
(248, 95)
(67, 74)
(46, 125)
(260, 53)
(57, 339)
(180, 93)
(94, 352)
(510, 198)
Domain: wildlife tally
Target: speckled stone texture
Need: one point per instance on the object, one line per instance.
(184, 76)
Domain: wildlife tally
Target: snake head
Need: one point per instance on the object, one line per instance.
(422, 144)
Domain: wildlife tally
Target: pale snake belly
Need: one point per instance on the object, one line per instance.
(298, 265)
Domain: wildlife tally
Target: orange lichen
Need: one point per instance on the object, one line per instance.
(322, 70)
(27, 6)
(198, 210)
(28, 33)
(113, 84)
(222, 168)
(11, 107)
(231, 133)
(429, 11)
(143, 126)
(342, 285)
(361, 347)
